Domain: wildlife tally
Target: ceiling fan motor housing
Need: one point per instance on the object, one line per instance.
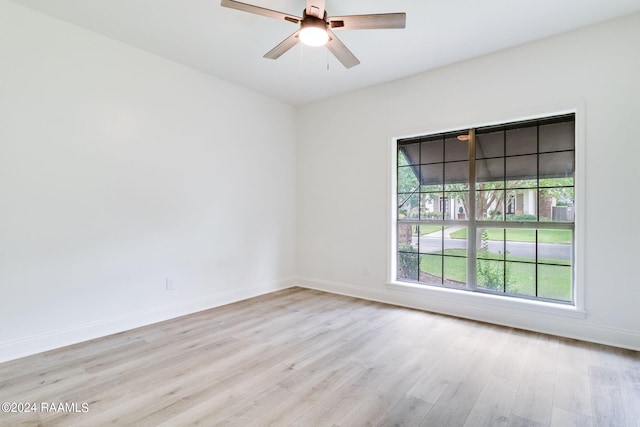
(313, 21)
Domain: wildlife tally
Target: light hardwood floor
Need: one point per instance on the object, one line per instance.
(306, 358)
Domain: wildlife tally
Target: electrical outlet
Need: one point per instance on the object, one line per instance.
(169, 286)
(365, 270)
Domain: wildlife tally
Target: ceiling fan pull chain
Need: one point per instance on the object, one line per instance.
(326, 51)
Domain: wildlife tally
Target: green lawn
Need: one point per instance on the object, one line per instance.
(522, 235)
(492, 256)
(428, 229)
(553, 281)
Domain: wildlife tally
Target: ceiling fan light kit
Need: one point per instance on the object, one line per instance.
(316, 28)
(313, 31)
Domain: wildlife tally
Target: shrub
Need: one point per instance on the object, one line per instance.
(491, 274)
(521, 217)
(408, 265)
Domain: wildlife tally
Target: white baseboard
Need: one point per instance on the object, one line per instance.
(15, 349)
(567, 327)
(574, 326)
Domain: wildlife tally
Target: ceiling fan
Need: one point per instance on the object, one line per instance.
(316, 28)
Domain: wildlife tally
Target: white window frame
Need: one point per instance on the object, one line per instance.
(455, 297)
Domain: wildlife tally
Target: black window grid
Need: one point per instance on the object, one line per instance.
(438, 254)
(443, 137)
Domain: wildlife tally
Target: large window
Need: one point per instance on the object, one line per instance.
(489, 209)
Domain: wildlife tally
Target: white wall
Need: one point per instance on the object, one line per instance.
(343, 174)
(119, 169)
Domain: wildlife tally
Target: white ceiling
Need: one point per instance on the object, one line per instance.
(230, 44)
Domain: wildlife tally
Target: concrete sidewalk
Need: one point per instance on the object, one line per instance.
(447, 232)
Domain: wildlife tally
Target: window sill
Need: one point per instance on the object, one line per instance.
(479, 300)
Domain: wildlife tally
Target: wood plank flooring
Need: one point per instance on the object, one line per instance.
(305, 358)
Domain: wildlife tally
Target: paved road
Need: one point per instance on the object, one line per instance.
(525, 249)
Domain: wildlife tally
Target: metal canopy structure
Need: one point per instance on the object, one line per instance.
(538, 149)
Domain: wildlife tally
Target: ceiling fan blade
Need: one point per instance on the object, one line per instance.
(366, 22)
(315, 8)
(260, 11)
(284, 46)
(341, 52)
